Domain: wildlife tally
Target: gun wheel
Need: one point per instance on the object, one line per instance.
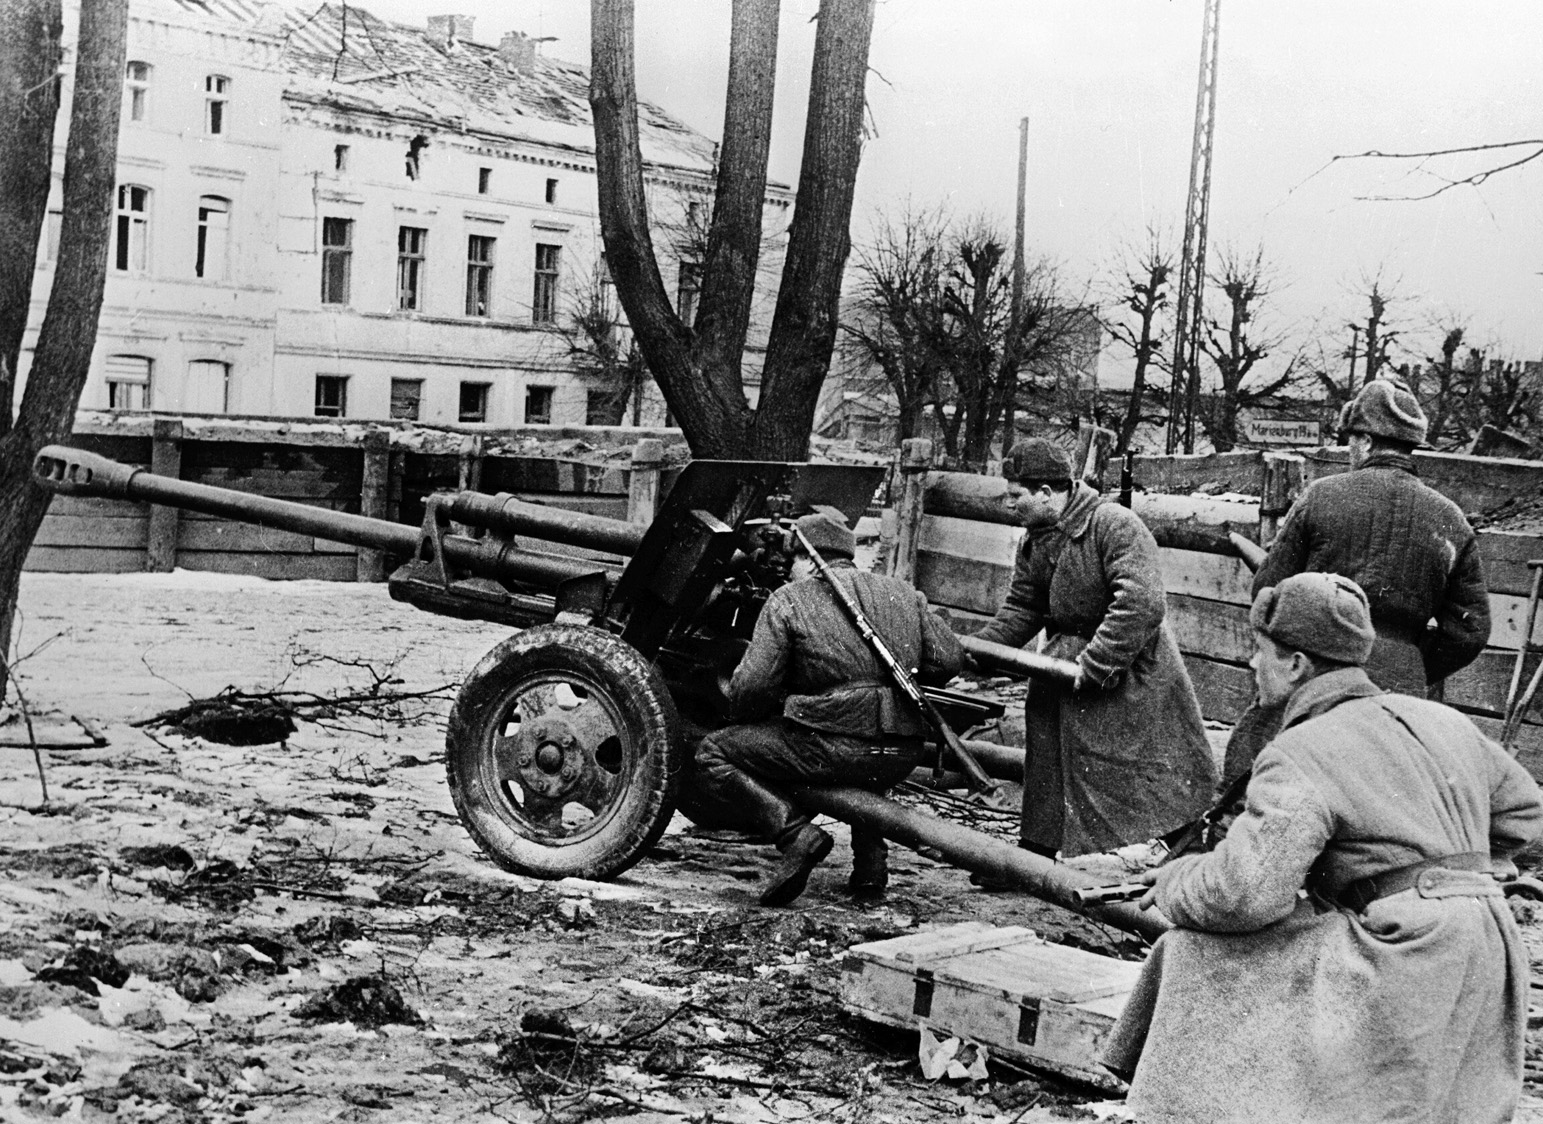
(561, 753)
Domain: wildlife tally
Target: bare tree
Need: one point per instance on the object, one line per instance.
(698, 366)
(30, 50)
(1237, 347)
(1135, 320)
(605, 354)
(994, 357)
(896, 315)
(1377, 336)
(1440, 385)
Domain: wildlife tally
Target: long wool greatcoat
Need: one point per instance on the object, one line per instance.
(1270, 1005)
(1128, 759)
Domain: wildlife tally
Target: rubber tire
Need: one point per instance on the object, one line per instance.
(633, 823)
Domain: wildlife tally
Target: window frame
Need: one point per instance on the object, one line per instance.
(144, 385)
(411, 267)
(337, 261)
(340, 384)
(417, 400)
(224, 376)
(216, 105)
(484, 392)
(688, 291)
(479, 275)
(548, 279)
(205, 228)
(137, 90)
(541, 391)
(131, 233)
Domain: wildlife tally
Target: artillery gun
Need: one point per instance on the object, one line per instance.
(569, 744)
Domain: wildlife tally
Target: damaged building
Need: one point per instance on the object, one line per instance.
(322, 213)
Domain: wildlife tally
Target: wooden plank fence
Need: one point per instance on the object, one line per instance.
(375, 471)
(966, 543)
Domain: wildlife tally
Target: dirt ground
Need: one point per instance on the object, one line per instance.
(302, 931)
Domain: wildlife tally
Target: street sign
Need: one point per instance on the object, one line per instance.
(1281, 431)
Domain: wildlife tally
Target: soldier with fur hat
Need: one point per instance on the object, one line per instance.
(822, 710)
(1409, 547)
(1122, 756)
(1344, 954)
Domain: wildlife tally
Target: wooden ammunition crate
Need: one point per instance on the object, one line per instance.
(1044, 1005)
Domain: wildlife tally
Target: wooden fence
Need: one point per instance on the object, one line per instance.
(374, 471)
(956, 539)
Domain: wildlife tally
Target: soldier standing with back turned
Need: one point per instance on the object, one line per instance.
(1405, 544)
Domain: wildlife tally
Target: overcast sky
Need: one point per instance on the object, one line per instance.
(1109, 88)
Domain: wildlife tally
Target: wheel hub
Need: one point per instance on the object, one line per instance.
(550, 759)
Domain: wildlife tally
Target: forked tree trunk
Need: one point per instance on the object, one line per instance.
(63, 356)
(700, 371)
(803, 332)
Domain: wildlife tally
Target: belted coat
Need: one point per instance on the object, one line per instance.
(1125, 759)
(1271, 1004)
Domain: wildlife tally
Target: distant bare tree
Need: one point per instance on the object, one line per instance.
(602, 350)
(1237, 346)
(1134, 318)
(896, 318)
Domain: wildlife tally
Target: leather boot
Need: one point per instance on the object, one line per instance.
(803, 848)
(870, 866)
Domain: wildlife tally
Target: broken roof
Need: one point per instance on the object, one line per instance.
(341, 55)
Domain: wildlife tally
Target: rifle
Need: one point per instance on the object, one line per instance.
(979, 781)
(1197, 835)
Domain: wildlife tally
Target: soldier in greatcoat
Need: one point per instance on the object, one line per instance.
(824, 711)
(1344, 954)
(1121, 756)
(1405, 544)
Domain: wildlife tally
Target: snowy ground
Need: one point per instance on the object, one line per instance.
(226, 893)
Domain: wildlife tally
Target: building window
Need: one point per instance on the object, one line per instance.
(406, 394)
(484, 180)
(213, 237)
(128, 382)
(132, 230)
(415, 156)
(543, 305)
(137, 89)
(551, 191)
(474, 402)
(331, 396)
(687, 290)
(411, 244)
(208, 388)
(538, 405)
(337, 257)
(479, 275)
(340, 158)
(215, 103)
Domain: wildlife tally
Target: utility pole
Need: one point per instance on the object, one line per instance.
(1185, 397)
(1355, 342)
(1015, 327)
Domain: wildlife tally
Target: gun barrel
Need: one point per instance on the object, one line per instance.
(514, 516)
(1031, 664)
(78, 472)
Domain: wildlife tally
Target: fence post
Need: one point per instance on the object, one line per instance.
(643, 480)
(1283, 476)
(165, 460)
(915, 462)
(374, 497)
